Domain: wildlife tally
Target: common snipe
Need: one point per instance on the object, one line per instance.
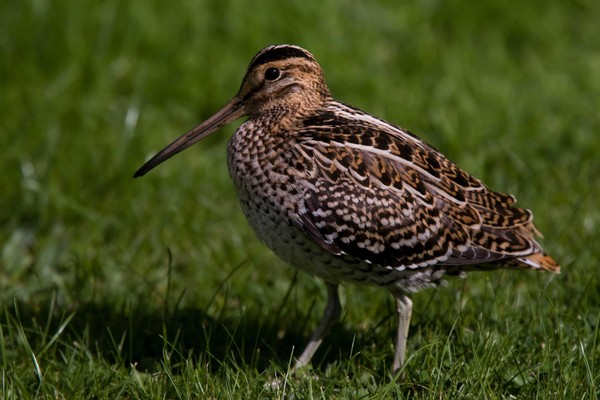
(346, 196)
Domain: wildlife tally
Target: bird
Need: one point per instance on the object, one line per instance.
(350, 198)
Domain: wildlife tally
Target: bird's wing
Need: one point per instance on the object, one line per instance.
(382, 195)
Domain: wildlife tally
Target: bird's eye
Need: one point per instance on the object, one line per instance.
(272, 74)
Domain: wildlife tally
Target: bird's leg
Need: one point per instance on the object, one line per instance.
(330, 317)
(404, 310)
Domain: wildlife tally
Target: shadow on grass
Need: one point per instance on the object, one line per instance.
(120, 337)
(129, 336)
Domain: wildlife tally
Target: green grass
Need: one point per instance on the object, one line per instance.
(156, 288)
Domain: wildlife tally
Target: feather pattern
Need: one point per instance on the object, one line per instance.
(384, 196)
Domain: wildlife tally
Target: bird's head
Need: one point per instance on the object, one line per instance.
(279, 79)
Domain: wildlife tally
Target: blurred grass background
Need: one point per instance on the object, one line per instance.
(156, 288)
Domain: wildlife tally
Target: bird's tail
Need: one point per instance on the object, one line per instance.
(539, 260)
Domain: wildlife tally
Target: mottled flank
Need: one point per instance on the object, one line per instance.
(345, 196)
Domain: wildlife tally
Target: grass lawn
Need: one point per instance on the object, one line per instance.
(155, 288)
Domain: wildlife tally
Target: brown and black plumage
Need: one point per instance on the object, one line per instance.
(345, 196)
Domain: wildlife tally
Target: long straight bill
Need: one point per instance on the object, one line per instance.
(230, 112)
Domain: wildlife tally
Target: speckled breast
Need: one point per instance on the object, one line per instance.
(267, 197)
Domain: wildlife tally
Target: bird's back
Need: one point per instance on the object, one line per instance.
(364, 194)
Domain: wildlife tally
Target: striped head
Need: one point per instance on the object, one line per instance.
(279, 78)
(282, 77)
